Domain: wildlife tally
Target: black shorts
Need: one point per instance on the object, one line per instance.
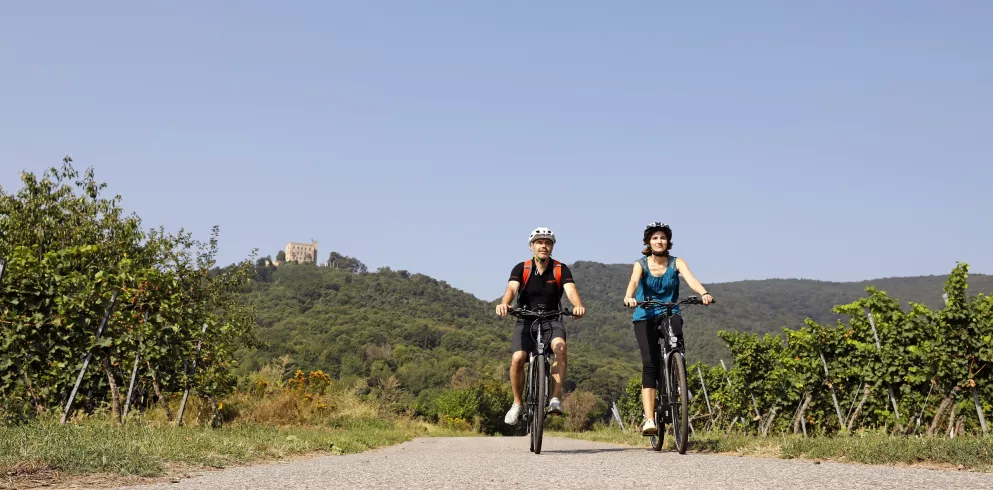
(523, 338)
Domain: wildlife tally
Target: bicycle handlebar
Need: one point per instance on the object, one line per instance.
(519, 312)
(690, 300)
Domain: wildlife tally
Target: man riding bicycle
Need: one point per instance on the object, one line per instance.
(544, 280)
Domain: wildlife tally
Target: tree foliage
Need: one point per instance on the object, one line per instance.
(72, 256)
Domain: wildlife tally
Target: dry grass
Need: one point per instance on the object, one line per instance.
(264, 398)
(293, 407)
(265, 419)
(30, 473)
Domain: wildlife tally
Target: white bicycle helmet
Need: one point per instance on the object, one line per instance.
(541, 232)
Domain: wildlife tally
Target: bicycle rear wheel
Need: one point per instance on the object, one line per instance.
(540, 383)
(679, 402)
(659, 436)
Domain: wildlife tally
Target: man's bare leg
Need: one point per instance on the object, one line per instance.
(558, 369)
(517, 374)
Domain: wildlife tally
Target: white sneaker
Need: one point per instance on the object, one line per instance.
(512, 414)
(555, 406)
(648, 428)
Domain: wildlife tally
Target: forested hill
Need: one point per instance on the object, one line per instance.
(759, 306)
(421, 332)
(389, 323)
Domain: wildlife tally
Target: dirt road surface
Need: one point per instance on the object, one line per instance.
(506, 462)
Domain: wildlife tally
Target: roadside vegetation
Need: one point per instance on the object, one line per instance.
(267, 417)
(965, 453)
(130, 351)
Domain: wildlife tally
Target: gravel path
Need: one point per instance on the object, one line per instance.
(505, 462)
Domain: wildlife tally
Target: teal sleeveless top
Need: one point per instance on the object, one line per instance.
(663, 288)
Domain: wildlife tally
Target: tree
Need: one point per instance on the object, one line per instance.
(338, 261)
(74, 257)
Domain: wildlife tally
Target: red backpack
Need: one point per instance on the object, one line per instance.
(527, 273)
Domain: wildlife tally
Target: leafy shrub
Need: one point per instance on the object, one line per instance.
(582, 409)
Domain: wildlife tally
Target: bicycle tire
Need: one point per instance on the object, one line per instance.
(529, 402)
(679, 403)
(541, 393)
(524, 425)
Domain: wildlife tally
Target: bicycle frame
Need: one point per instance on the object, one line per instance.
(668, 343)
(538, 327)
(541, 318)
(539, 341)
(534, 400)
(540, 348)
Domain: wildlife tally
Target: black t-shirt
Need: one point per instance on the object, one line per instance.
(540, 291)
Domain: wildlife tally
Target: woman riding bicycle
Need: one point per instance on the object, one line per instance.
(656, 276)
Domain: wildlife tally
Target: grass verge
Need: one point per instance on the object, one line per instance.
(972, 453)
(47, 452)
(142, 450)
(269, 419)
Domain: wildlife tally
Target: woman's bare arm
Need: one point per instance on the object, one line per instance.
(692, 281)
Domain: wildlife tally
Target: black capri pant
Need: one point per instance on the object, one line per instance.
(647, 333)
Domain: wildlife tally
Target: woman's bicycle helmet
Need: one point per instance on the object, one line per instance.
(657, 226)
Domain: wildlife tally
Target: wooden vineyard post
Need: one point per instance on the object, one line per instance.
(834, 395)
(705, 397)
(134, 371)
(879, 348)
(186, 394)
(86, 362)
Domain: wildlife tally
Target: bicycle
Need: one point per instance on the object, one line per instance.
(537, 375)
(671, 396)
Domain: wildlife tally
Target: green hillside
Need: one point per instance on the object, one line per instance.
(419, 336)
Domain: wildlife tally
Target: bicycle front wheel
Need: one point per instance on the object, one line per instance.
(679, 402)
(524, 427)
(540, 383)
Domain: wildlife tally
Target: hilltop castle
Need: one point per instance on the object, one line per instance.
(302, 253)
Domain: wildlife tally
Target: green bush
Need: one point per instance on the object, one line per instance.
(483, 404)
(461, 404)
(582, 409)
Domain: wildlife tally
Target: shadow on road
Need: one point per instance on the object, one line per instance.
(592, 451)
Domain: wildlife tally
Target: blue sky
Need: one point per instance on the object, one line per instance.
(827, 140)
